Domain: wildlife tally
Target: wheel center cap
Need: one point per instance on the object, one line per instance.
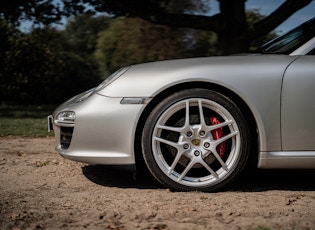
(196, 142)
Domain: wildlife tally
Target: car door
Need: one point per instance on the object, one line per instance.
(298, 105)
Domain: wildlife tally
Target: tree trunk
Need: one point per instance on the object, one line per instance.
(234, 24)
(230, 44)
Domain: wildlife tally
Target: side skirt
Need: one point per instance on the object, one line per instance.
(287, 160)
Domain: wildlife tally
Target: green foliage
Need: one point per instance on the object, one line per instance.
(49, 65)
(38, 70)
(42, 67)
(81, 33)
(26, 127)
(29, 111)
(230, 24)
(132, 40)
(40, 12)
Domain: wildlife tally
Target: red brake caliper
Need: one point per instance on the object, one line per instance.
(218, 133)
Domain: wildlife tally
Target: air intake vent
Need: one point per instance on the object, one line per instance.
(65, 137)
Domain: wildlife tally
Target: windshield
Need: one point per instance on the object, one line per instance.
(290, 41)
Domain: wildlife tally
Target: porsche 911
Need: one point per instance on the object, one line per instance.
(196, 123)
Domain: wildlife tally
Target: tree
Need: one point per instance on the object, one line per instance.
(130, 41)
(231, 25)
(42, 12)
(39, 68)
(81, 33)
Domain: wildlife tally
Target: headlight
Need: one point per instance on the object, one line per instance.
(65, 117)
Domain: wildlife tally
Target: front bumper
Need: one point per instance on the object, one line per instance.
(102, 134)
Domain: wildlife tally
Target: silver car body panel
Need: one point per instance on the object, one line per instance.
(287, 160)
(104, 130)
(298, 106)
(260, 90)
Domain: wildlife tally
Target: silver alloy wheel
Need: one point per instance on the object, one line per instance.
(184, 147)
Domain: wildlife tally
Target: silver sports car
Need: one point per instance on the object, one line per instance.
(197, 122)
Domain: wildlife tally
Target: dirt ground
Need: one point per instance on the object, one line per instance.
(41, 190)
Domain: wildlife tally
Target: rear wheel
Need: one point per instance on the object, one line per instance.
(195, 139)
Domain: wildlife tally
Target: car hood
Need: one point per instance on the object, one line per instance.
(147, 80)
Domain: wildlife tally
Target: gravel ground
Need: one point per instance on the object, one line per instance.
(41, 190)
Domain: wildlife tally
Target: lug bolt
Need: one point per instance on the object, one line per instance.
(186, 146)
(197, 153)
(202, 133)
(189, 134)
(206, 144)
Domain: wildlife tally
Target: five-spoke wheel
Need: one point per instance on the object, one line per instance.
(195, 139)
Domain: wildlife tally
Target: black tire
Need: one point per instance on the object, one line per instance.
(203, 151)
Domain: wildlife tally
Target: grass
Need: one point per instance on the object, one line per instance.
(25, 121)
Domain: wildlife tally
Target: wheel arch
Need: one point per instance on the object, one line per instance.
(241, 104)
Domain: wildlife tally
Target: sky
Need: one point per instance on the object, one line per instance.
(267, 6)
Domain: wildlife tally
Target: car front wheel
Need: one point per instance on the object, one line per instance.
(195, 139)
